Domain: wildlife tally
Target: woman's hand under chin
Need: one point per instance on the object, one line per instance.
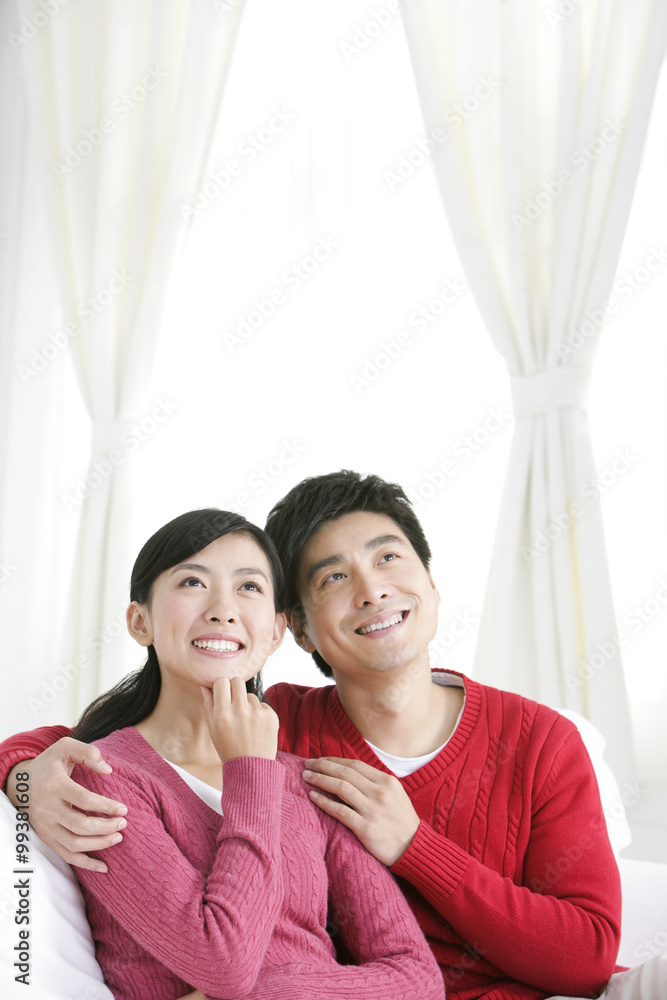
(239, 723)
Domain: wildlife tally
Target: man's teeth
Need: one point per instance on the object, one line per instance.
(394, 620)
(217, 645)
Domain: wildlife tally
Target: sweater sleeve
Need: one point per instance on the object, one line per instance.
(382, 935)
(27, 746)
(211, 931)
(559, 929)
(380, 931)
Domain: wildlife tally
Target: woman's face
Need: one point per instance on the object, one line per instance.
(212, 615)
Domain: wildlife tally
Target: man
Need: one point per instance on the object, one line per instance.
(493, 826)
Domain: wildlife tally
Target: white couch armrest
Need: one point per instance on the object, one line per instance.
(60, 944)
(644, 921)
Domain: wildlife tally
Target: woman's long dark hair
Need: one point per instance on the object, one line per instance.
(135, 697)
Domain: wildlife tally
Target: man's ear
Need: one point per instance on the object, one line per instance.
(437, 592)
(138, 624)
(297, 627)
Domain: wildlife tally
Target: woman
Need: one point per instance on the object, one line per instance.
(232, 905)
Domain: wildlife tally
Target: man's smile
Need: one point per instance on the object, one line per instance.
(383, 623)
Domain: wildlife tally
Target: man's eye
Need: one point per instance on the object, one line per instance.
(389, 557)
(332, 577)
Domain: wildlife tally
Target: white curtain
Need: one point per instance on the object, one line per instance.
(536, 115)
(124, 98)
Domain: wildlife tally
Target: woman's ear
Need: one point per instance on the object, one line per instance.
(138, 624)
(297, 627)
(279, 630)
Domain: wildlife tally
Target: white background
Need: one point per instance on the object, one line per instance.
(355, 113)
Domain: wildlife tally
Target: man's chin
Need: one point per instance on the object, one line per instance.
(379, 666)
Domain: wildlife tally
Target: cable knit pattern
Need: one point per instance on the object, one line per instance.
(236, 906)
(510, 873)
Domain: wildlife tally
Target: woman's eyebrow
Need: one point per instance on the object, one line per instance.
(249, 571)
(196, 566)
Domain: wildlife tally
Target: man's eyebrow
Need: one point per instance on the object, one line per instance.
(370, 546)
(322, 564)
(377, 543)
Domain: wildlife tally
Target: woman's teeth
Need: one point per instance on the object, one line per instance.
(217, 645)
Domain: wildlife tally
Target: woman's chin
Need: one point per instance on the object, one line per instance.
(229, 671)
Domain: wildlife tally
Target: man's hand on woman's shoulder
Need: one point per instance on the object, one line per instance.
(56, 801)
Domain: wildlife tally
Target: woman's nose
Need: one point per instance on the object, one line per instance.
(222, 608)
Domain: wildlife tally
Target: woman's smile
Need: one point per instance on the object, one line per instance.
(218, 645)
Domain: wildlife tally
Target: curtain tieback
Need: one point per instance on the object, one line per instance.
(550, 389)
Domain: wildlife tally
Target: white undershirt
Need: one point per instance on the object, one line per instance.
(207, 793)
(403, 766)
(400, 766)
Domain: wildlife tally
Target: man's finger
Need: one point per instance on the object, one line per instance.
(83, 861)
(87, 826)
(338, 810)
(77, 845)
(340, 771)
(345, 790)
(88, 801)
(95, 762)
(75, 752)
(360, 766)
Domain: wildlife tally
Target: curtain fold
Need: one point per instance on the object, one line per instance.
(125, 98)
(536, 121)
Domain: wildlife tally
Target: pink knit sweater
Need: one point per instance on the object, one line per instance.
(236, 906)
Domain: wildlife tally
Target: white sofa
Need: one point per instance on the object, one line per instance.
(643, 883)
(62, 954)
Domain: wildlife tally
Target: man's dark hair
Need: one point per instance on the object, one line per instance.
(320, 499)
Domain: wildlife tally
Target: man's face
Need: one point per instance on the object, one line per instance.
(370, 605)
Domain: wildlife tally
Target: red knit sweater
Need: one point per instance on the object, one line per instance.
(510, 874)
(236, 905)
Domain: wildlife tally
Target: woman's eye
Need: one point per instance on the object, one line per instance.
(252, 586)
(191, 581)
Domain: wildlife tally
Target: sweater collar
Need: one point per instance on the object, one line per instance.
(133, 747)
(435, 768)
